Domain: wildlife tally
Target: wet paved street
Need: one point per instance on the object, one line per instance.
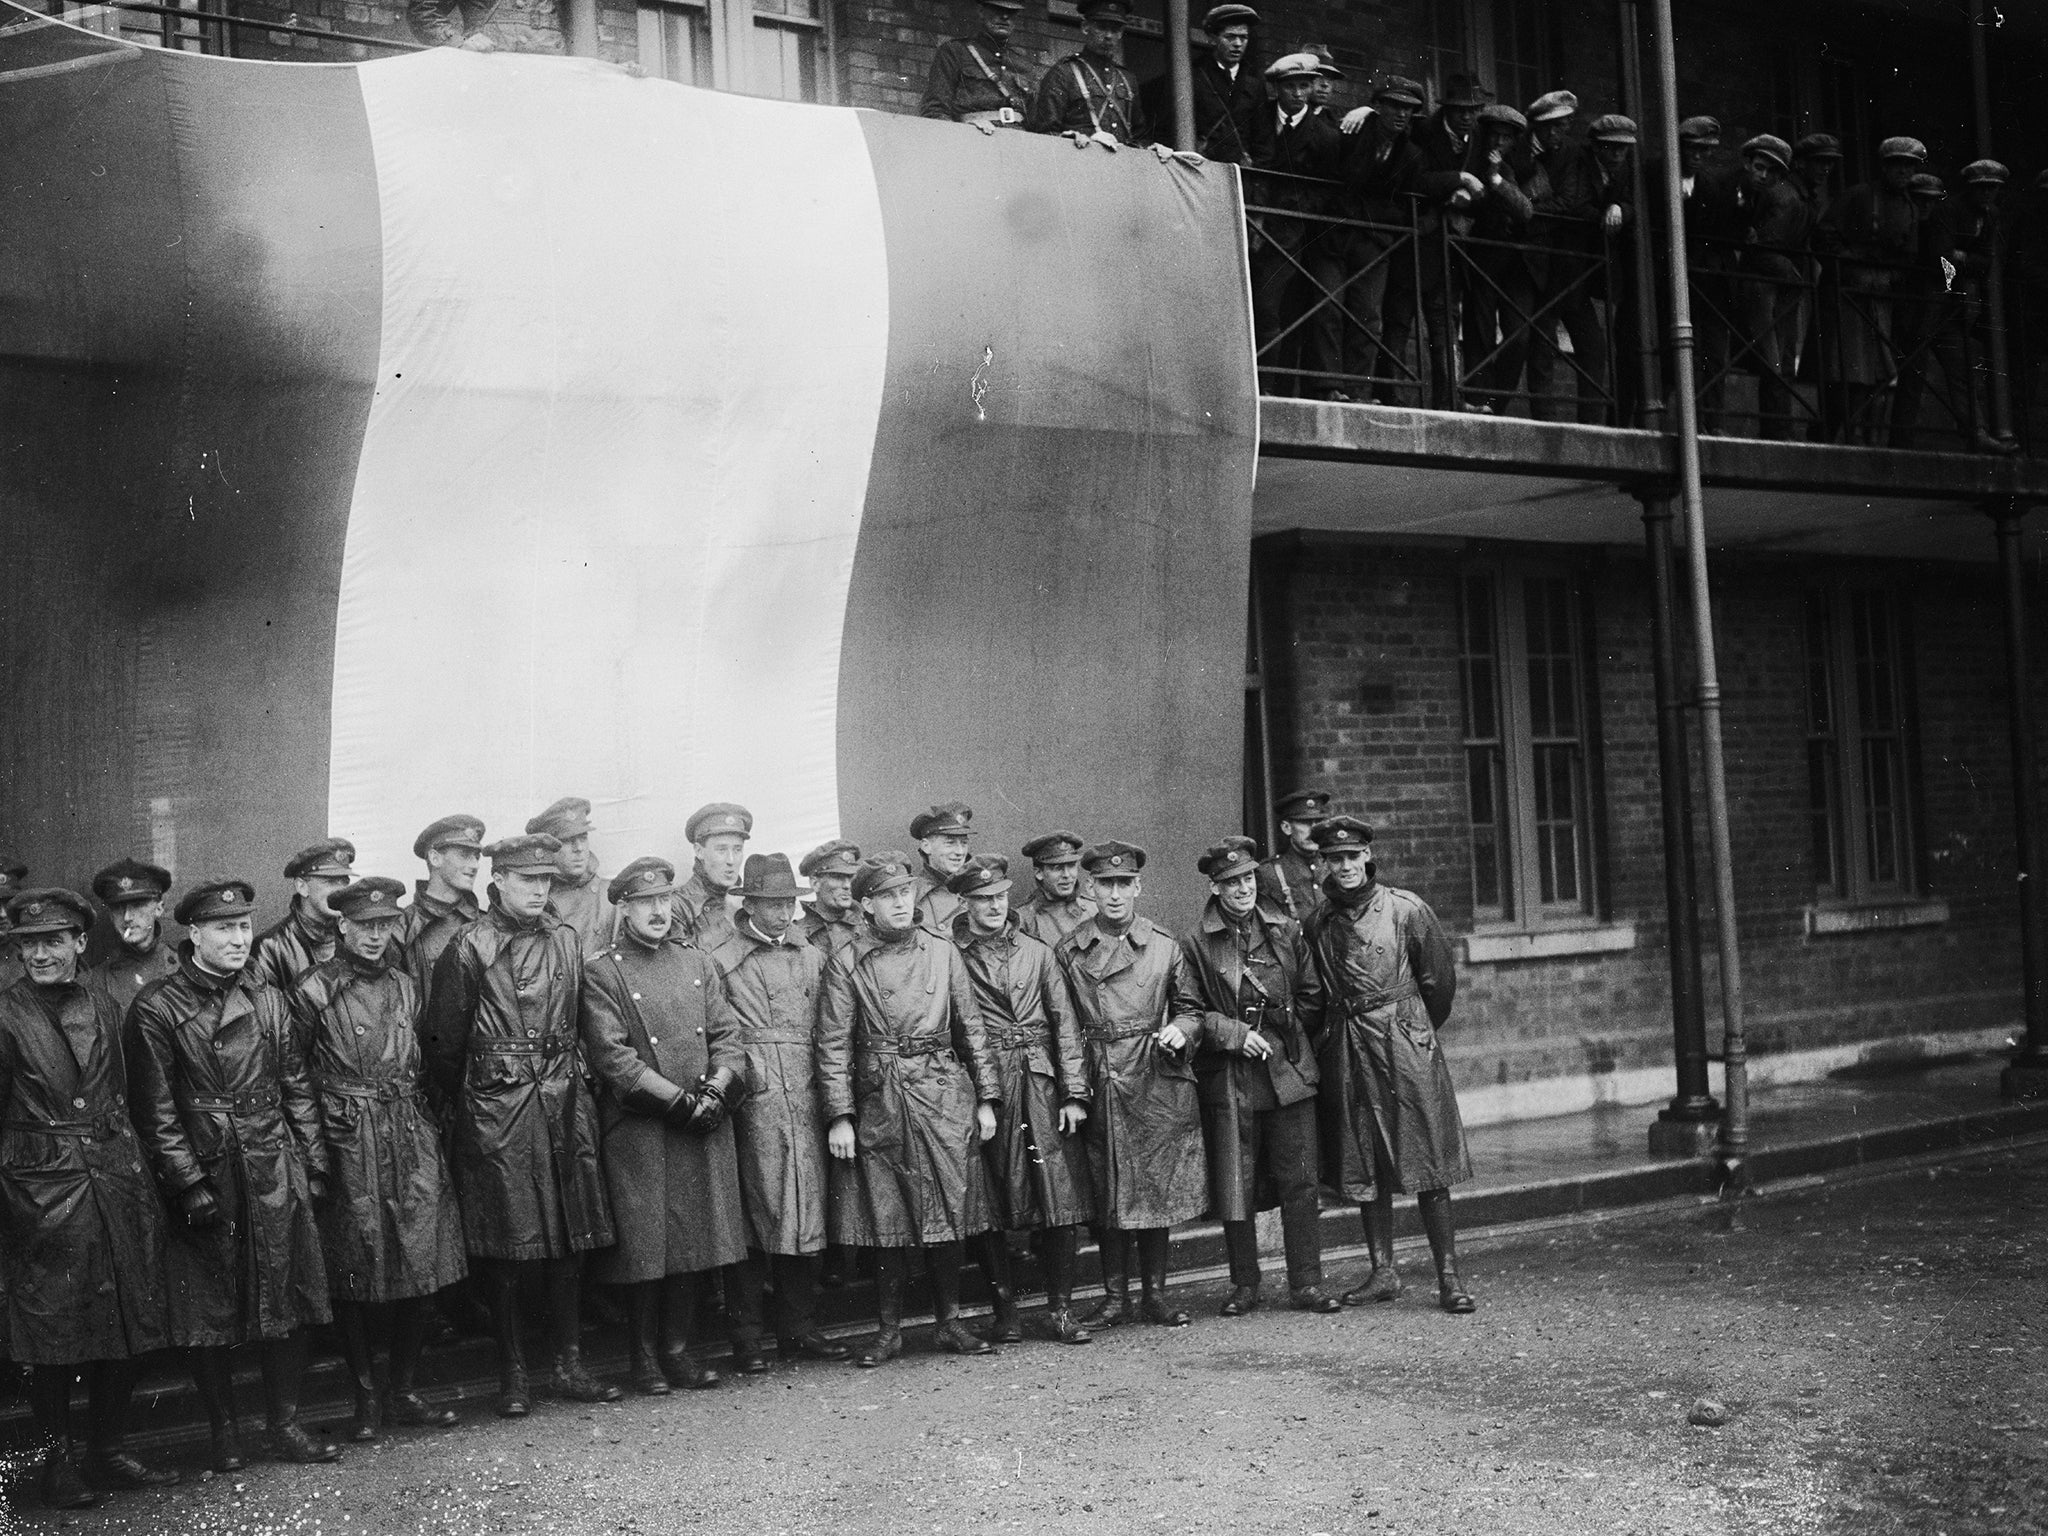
(1881, 1344)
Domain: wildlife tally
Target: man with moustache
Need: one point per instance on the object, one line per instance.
(579, 896)
(974, 80)
(1037, 1160)
(664, 1046)
(945, 836)
(445, 902)
(1141, 1019)
(1257, 1076)
(704, 903)
(222, 1104)
(909, 1089)
(1389, 1110)
(1055, 906)
(305, 935)
(392, 1234)
(502, 1044)
(772, 978)
(827, 919)
(134, 893)
(81, 1228)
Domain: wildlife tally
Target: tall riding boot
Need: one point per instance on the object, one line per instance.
(1113, 1247)
(353, 1322)
(411, 1320)
(887, 1343)
(570, 1379)
(1056, 1252)
(678, 1317)
(1152, 1242)
(643, 1339)
(992, 1249)
(796, 1310)
(1383, 1281)
(1434, 1205)
(62, 1485)
(284, 1371)
(515, 1393)
(213, 1377)
(110, 1386)
(942, 1265)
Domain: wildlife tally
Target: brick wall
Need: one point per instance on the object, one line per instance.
(1362, 653)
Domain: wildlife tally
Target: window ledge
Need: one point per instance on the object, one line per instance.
(1549, 943)
(1874, 917)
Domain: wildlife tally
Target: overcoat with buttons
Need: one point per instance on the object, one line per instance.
(1145, 1130)
(656, 1020)
(392, 1229)
(292, 946)
(127, 970)
(701, 915)
(1049, 921)
(430, 926)
(81, 1227)
(900, 1049)
(585, 906)
(502, 1044)
(774, 986)
(219, 1093)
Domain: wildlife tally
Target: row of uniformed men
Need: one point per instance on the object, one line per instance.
(915, 1064)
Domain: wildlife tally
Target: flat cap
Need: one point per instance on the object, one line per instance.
(1613, 128)
(1818, 146)
(1294, 66)
(1926, 184)
(717, 817)
(838, 857)
(568, 817)
(1341, 832)
(1303, 805)
(531, 854)
(645, 876)
(1985, 172)
(880, 872)
(1118, 11)
(1221, 16)
(450, 832)
(1700, 130)
(1771, 147)
(1060, 847)
(1400, 88)
(127, 880)
(1505, 115)
(51, 909)
(768, 877)
(954, 816)
(216, 901)
(1326, 61)
(1552, 105)
(983, 875)
(1113, 860)
(1902, 148)
(1462, 91)
(1003, 5)
(332, 857)
(1228, 859)
(370, 899)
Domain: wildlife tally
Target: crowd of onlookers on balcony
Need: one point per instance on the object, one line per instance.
(1481, 256)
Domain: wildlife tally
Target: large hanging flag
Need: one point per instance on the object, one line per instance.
(459, 431)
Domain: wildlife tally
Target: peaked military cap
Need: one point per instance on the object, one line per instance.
(568, 817)
(332, 857)
(531, 854)
(1818, 146)
(880, 872)
(838, 857)
(718, 817)
(370, 899)
(1055, 848)
(127, 880)
(1902, 148)
(1700, 130)
(1552, 105)
(1505, 115)
(1118, 11)
(1113, 860)
(645, 876)
(1983, 172)
(1462, 91)
(1294, 66)
(1303, 805)
(1400, 88)
(12, 873)
(1613, 128)
(984, 875)
(216, 900)
(954, 816)
(1228, 859)
(1926, 184)
(1221, 16)
(768, 877)
(48, 910)
(1341, 832)
(450, 832)
(1771, 147)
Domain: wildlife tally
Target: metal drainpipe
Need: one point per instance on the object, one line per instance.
(2000, 425)
(1181, 68)
(1651, 406)
(583, 28)
(2027, 1076)
(1732, 1153)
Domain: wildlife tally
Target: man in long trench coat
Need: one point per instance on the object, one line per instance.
(445, 902)
(503, 1047)
(773, 978)
(305, 935)
(828, 917)
(910, 1094)
(1055, 906)
(221, 1101)
(81, 1228)
(134, 893)
(580, 896)
(1389, 1110)
(1038, 1160)
(664, 1046)
(392, 1234)
(717, 834)
(1141, 1021)
(1256, 1072)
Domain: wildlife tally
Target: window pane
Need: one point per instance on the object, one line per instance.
(1553, 658)
(1823, 753)
(1557, 824)
(1479, 661)
(1820, 688)
(675, 43)
(1491, 868)
(1822, 776)
(1876, 697)
(784, 61)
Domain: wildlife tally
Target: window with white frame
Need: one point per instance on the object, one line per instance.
(778, 48)
(1506, 43)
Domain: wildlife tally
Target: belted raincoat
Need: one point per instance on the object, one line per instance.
(430, 926)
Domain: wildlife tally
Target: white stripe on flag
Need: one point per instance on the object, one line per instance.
(633, 344)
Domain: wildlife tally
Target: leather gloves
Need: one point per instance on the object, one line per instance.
(711, 1102)
(682, 1111)
(201, 1207)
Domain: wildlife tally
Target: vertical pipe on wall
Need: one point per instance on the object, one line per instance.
(1182, 70)
(2000, 402)
(583, 28)
(2027, 1076)
(1643, 272)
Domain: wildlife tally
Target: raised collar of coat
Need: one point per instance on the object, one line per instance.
(465, 902)
(964, 934)
(866, 941)
(564, 883)
(142, 951)
(510, 924)
(1216, 920)
(314, 928)
(843, 920)
(1090, 933)
(743, 925)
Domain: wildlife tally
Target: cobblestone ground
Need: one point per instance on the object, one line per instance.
(1879, 1344)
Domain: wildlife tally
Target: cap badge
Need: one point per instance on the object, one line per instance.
(34, 909)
